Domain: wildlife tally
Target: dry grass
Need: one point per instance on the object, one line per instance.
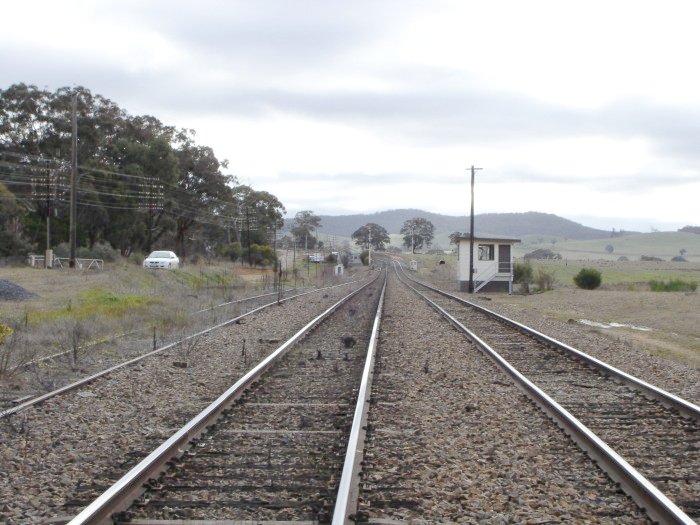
(672, 317)
(74, 309)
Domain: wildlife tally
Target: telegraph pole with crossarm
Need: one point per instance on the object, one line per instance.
(471, 238)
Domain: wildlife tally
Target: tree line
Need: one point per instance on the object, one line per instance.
(141, 184)
(417, 232)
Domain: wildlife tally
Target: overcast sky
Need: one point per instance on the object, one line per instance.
(586, 109)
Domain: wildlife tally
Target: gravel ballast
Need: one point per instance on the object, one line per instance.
(10, 291)
(680, 379)
(88, 439)
(452, 440)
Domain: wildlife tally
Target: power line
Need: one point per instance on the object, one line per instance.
(145, 188)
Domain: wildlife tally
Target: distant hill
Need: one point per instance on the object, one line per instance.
(498, 224)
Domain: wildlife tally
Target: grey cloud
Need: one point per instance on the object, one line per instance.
(674, 131)
(287, 41)
(369, 179)
(618, 182)
(271, 35)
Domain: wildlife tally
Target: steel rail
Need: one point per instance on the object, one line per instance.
(121, 495)
(50, 357)
(348, 488)
(89, 379)
(657, 505)
(668, 399)
(44, 359)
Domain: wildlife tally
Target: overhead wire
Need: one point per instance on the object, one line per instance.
(134, 187)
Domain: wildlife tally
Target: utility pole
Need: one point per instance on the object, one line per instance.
(48, 256)
(306, 251)
(413, 246)
(74, 184)
(471, 239)
(369, 249)
(247, 226)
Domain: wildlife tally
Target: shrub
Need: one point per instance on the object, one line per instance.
(543, 253)
(588, 278)
(674, 285)
(61, 250)
(522, 272)
(14, 350)
(100, 250)
(4, 332)
(679, 258)
(11, 245)
(623, 258)
(232, 251)
(261, 255)
(364, 257)
(650, 258)
(545, 280)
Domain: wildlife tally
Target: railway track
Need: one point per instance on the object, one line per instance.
(65, 446)
(657, 433)
(55, 369)
(272, 447)
(69, 380)
(450, 437)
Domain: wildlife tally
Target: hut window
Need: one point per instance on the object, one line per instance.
(486, 252)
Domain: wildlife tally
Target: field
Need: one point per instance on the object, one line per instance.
(123, 287)
(74, 310)
(664, 245)
(124, 296)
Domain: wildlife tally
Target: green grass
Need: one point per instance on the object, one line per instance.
(4, 332)
(631, 274)
(673, 285)
(97, 302)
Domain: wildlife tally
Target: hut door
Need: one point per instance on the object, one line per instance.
(504, 258)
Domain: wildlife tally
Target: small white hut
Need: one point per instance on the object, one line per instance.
(493, 264)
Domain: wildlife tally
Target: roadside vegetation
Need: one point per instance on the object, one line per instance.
(88, 320)
(673, 285)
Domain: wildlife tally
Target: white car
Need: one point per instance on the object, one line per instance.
(161, 259)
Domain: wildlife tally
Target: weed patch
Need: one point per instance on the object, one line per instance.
(96, 302)
(673, 285)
